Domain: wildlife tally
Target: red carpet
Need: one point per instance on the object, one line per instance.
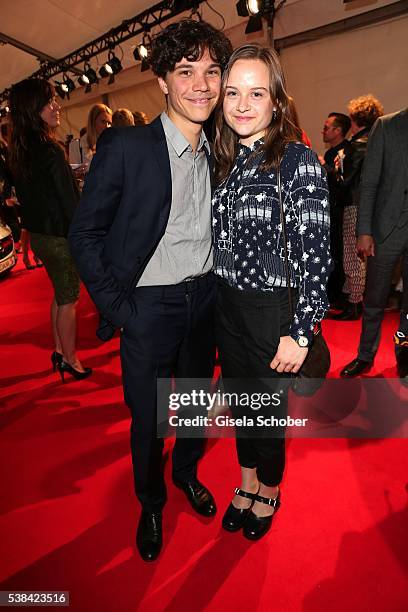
(68, 512)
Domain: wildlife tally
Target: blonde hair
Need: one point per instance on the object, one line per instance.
(365, 110)
(94, 113)
(122, 117)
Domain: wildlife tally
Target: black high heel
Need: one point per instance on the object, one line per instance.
(234, 518)
(65, 367)
(56, 359)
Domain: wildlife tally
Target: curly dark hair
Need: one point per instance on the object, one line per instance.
(187, 38)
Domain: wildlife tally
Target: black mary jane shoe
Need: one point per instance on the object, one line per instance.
(234, 518)
(149, 535)
(256, 527)
(198, 495)
(56, 360)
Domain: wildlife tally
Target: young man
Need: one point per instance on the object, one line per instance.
(142, 242)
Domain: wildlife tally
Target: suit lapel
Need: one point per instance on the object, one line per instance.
(162, 153)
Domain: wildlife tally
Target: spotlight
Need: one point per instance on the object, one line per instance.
(88, 77)
(141, 52)
(255, 10)
(111, 67)
(105, 70)
(247, 8)
(4, 112)
(69, 83)
(83, 80)
(91, 74)
(61, 89)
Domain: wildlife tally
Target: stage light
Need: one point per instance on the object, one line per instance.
(141, 52)
(88, 78)
(61, 89)
(69, 83)
(111, 67)
(83, 80)
(90, 74)
(247, 8)
(105, 70)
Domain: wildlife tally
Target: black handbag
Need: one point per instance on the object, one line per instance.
(317, 363)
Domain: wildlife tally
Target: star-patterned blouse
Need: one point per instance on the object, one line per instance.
(247, 233)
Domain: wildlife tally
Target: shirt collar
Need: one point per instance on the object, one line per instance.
(178, 141)
(244, 149)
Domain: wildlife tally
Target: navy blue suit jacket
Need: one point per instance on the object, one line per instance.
(121, 217)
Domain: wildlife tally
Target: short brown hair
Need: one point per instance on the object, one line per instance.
(122, 117)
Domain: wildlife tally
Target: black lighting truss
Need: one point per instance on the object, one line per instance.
(129, 28)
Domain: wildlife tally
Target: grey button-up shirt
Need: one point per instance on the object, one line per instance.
(185, 250)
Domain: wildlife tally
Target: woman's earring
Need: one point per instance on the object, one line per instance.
(274, 114)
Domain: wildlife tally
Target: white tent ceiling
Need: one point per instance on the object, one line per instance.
(57, 27)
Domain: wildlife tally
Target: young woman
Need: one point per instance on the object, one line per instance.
(258, 337)
(48, 196)
(99, 118)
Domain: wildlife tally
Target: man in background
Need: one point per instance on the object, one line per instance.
(382, 229)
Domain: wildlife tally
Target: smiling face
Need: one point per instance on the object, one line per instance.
(192, 90)
(50, 113)
(248, 105)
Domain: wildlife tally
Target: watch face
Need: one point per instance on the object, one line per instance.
(302, 341)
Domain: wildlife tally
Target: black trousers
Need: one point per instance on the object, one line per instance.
(248, 328)
(380, 268)
(171, 334)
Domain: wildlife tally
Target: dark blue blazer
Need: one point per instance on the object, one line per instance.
(121, 217)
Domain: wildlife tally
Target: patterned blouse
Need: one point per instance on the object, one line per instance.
(247, 233)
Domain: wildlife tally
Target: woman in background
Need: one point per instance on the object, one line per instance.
(48, 195)
(261, 341)
(99, 118)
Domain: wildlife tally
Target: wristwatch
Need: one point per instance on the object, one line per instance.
(302, 341)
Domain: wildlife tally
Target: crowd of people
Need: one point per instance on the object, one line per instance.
(188, 241)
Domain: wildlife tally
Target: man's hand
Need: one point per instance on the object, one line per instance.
(289, 356)
(365, 246)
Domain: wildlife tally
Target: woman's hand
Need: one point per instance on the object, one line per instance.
(289, 356)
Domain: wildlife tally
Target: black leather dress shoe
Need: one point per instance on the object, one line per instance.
(149, 535)
(355, 368)
(352, 312)
(234, 518)
(199, 497)
(256, 527)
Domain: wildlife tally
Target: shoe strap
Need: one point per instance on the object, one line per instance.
(269, 501)
(242, 493)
